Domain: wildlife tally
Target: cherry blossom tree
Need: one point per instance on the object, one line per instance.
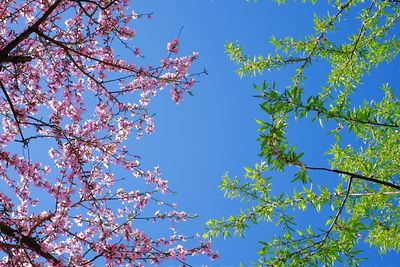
(330, 211)
(71, 192)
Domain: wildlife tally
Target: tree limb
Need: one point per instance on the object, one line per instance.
(16, 59)
(357, 176)
(8, 48)
(15, 114)
(30, 242)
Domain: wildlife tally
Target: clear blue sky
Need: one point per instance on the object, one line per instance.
(214, 131)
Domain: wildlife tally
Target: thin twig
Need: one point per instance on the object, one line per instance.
(15, 114)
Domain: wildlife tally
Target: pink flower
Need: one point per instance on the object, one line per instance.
(177, 95)
(172, 47)
(126, 33)
(84, 203)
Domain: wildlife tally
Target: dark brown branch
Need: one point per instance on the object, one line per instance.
(289, 161)
(25, 34)
(328, 232)
(357, 176)
(322, 34)
(343, 117)
(97, 4)
(67, 48)
(16, 59)
(28, 241)
(15, 114)
(70, 50)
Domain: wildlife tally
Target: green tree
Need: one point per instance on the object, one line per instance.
(361, 204)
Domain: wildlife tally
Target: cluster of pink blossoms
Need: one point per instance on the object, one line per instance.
(68, 107)
(172, 46)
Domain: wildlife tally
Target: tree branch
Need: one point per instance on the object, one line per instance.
(357, 176)
(317, 244)
(15, 114)
(326, 112)
(8, 48)
(30, 242)
(16, 59)
(328, 232)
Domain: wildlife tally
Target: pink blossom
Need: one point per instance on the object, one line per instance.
(80, 103)
(172, 46)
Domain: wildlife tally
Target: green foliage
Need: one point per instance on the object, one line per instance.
(364, 202)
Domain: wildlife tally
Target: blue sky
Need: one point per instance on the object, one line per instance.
(214, 131)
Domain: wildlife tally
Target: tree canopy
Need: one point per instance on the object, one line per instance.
(355, 195)
(76, 90)
(74, 87)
